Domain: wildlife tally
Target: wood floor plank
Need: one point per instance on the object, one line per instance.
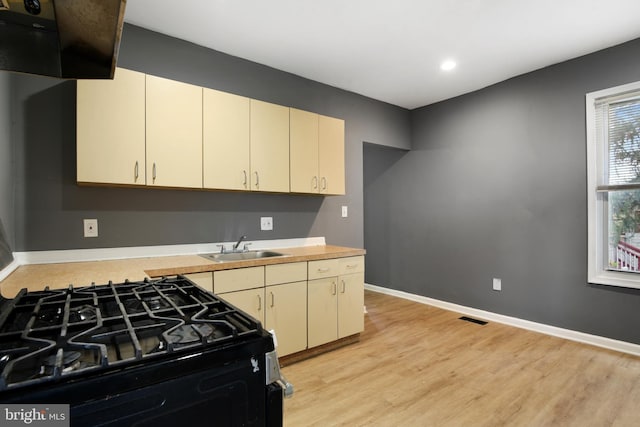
(418, 365)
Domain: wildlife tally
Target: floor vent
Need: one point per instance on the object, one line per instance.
(472, 320)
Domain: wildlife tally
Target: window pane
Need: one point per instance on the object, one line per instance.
(624, 142)
(624, 231)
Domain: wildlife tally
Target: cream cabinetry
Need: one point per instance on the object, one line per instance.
(304, 151)
(145, 130)
(331, 164)
(111, 129)
(174, 133)
(225, 145)
(336, 299)
(242, 287)
(286, 305)
(204, 280)
(317, 153)
(269, 147)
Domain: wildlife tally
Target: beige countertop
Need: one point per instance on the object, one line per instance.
(37, 276)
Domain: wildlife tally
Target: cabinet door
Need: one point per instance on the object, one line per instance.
(225, 149)
(111, 129)
(269, 147)
(303, 142)
(174, 133)
(323, 311)
(350, 304)
(286, 314)
(250, 301)
(331, 155)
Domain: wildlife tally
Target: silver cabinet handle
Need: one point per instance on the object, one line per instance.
(352, 265)
(323, 270)
(257, 180)
(153, 173)
(323, 183)
(259, 303)
(315, 182)
(273, 301)
(344, 287)
(334, 288)
(135, 172)
(244, 183)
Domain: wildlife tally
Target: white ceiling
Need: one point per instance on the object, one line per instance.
(391, 50)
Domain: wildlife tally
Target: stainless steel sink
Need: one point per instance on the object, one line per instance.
(240, 256)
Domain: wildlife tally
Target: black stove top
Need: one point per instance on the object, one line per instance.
(56, 334)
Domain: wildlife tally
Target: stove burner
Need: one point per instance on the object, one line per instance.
(83, 313)
(184, 334)
(187, 334)
(50, 317)
(156, 303)
(70, 362)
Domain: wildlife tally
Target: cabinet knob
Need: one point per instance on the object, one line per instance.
(257, 180)
(334, 288)
(153, 172)
(135, 172)
(244, 183)
(315, 182)
(273, 300)
(259, 303)
(323, 183)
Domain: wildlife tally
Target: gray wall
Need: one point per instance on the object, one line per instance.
(50, 206)
(495, 186)
(6, 172)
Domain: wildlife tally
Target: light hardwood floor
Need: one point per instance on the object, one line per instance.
(418, 365)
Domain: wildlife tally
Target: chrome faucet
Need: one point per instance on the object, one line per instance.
(235, 247)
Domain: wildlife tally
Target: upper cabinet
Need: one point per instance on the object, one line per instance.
(304, 151)
(111, 129)
(225, 145)
(317, 153)
(144, 130)
(331, 155)
(174, 133)
(269, 147)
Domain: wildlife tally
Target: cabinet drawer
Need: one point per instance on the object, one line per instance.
(204, 280)
(285, 273)
(238, 279)
(354, 264)
(323, 268)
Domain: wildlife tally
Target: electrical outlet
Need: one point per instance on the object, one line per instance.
(497, 284)
(345, 212)
(266, 223)
(90, 228)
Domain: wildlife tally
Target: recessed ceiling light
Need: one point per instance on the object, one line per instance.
(448, 65)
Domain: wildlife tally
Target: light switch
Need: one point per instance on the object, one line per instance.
(345, 212)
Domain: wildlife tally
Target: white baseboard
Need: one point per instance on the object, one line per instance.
(5, 272)
(102, 254)
(608, 343)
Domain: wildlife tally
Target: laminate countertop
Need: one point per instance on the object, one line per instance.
(38, 276)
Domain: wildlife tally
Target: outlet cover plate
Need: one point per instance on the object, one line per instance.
(90, 228)
(266, 223)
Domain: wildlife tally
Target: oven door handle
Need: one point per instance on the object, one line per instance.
(274, 374)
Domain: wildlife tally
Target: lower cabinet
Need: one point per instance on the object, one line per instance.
(286, 314)
(306, 304)
(251, 301)
(335, 300)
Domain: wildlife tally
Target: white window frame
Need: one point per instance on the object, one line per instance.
(597, 207)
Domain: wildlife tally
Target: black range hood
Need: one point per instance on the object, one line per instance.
(71, 39)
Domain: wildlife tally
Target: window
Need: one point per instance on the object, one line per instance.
(613, 156)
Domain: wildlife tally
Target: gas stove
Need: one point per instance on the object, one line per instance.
(105, 346)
